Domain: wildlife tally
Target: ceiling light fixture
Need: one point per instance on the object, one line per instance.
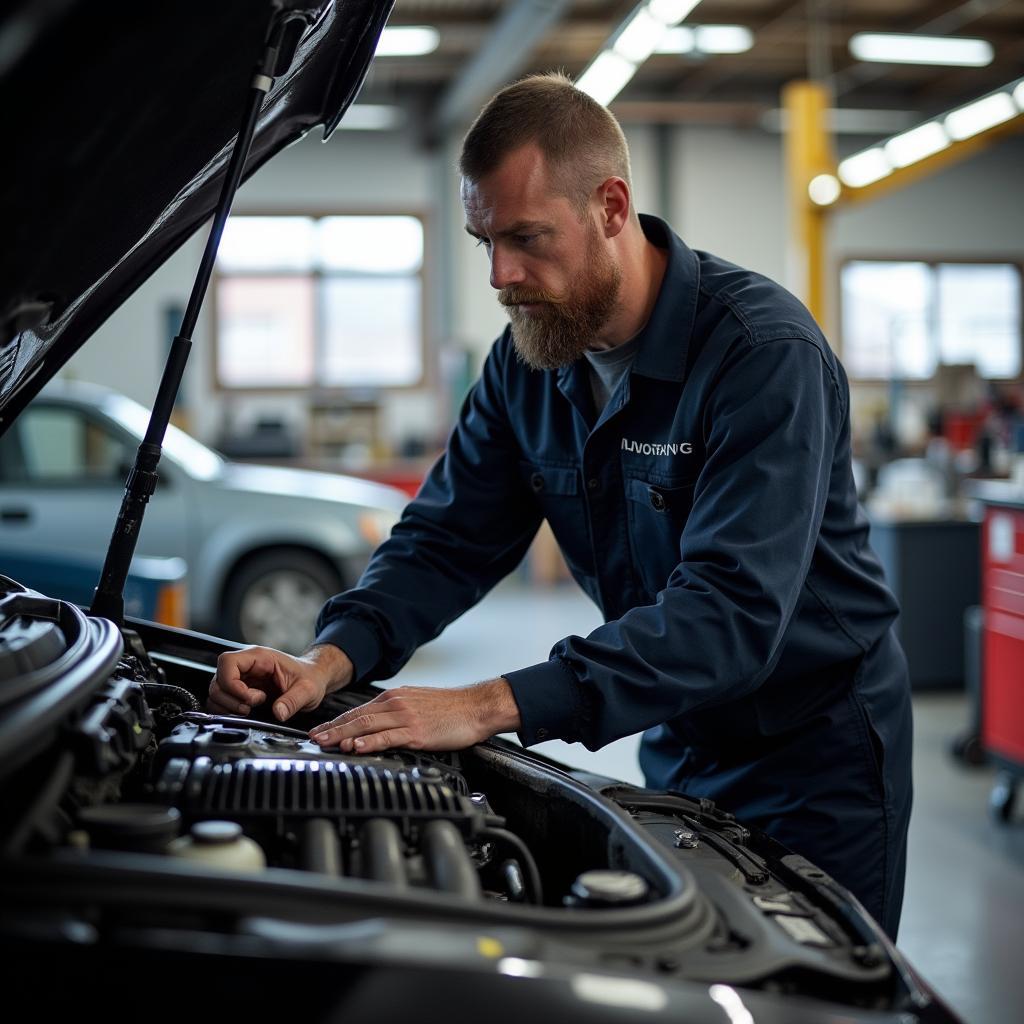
(706, 39)
(865, 168)
(408, 41)
(981, 114)
(894, 48)
(723, 38)
(607, 75)
(633, 42)
(677, 40)
(639, 35)
(908, 148)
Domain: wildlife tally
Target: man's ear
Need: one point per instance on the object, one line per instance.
(615, 200)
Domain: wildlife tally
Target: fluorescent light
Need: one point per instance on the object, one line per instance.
(371, 117)
(865, 168)
(893, 48)
(723, 38)
(1018, 95)
(671, 12)
(676, 40)
(824, 189)
(639, 36)
(908, 148)
(606, 76)
(979, 115)
(408, 41)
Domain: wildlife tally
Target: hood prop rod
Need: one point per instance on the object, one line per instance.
(283, 36)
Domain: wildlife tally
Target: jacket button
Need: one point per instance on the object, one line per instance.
(593, 483)
(657, 499)
(542, 734)
(537, 482)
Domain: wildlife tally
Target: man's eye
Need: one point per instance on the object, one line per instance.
(483, 241)
(524, 239)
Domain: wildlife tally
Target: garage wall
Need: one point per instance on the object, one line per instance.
(724, 192)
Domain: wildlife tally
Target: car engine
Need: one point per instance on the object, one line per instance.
(137, 822)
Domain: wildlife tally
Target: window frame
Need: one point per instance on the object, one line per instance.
(932, 261)
(315, 388)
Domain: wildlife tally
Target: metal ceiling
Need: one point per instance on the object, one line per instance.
(792, 40)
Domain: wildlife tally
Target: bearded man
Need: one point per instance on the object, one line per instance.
(684, 427)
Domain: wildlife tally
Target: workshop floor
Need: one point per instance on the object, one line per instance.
(963, 916)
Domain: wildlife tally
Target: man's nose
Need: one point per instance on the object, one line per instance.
(506, 268)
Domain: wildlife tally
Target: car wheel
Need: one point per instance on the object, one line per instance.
(273, 599)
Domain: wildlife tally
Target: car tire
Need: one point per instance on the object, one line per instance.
(272, 598)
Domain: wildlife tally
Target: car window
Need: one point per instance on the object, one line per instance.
(59, 445)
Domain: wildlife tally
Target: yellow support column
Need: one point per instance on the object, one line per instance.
(808, 153)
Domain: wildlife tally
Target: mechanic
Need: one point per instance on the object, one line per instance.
(684, 427)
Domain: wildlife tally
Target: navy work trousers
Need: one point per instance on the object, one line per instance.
(838, 794)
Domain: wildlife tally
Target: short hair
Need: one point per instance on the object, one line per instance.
(580, 139)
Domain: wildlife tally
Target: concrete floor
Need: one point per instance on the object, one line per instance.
(963, 916)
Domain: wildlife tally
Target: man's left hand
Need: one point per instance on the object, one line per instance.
(423, 718)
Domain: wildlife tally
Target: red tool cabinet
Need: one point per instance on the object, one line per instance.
(1002, 696)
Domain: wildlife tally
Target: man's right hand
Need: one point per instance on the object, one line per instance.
(248, 678)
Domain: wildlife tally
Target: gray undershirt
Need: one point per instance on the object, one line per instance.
(607, 368)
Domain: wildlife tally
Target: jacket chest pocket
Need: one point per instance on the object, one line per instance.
(556, 488)
(657, 513)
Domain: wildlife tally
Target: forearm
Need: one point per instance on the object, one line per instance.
(332, 662)
(496, 707)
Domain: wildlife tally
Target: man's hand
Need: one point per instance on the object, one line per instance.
(423, 718)
(247, 678)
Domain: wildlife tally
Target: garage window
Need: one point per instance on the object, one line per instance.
(330, 302)
(904, 319)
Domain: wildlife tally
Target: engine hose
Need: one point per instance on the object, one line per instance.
(165, 693)
(451, 868)
(321, 850)
(382, 857)
(45, 803)
(523, 855)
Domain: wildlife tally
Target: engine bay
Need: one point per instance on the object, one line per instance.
(112, 771)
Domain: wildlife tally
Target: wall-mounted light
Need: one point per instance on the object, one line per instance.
(896, 48)
(824, 189)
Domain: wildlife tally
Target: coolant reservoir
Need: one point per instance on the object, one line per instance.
(219, 844)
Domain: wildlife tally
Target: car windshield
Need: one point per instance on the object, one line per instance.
(196, 458)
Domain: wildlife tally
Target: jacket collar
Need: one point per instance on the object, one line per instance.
(664, 341)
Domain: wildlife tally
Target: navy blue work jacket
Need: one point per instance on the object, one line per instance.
(709, 511)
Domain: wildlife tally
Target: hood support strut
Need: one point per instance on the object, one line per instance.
(288, 24)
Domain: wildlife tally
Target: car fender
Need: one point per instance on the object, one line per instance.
(225, 545)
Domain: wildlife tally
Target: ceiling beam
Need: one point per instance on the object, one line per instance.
(503, 55)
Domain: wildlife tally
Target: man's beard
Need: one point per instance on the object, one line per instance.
(559, 331)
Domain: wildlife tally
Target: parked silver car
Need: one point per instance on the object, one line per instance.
(265, 545)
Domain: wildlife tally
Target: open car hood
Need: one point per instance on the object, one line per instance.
(118, 121)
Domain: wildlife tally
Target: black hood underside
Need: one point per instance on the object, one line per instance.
(117, 121)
